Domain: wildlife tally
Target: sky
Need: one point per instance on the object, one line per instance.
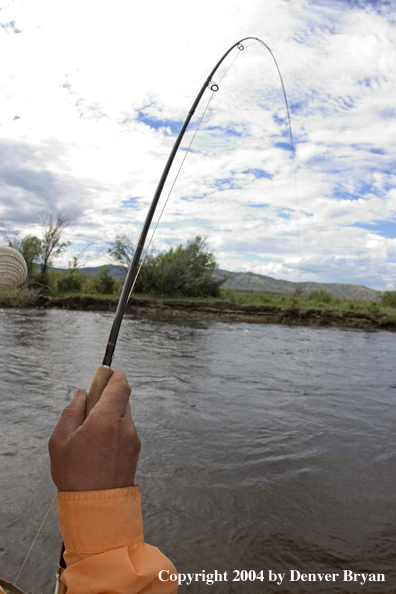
(93, 95)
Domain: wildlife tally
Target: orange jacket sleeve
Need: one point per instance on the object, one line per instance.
(104, 547)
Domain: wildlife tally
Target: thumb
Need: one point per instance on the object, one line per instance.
(73, 415)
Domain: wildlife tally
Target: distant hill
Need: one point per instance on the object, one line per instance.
(113, 270)
(248, 281)
(91, 270)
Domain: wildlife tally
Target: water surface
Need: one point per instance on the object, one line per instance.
(265, 447)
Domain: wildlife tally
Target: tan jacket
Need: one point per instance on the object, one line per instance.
(105, 550)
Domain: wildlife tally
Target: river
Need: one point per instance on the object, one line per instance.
(265, 447)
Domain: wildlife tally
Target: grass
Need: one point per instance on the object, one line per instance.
(316, 300)
(13, 297)
(93, 294)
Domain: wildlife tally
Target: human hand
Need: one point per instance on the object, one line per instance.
(100, 451)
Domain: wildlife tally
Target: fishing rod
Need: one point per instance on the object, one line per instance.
(104, 372)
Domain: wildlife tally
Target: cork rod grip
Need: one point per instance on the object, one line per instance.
(99, 382)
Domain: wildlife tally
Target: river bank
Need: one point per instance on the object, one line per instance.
(223, 310)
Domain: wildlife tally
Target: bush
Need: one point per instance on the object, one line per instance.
(373, 307)
(264, 299)
(228, 295)
(184, 271)
(69, 283)
(321, 296)
(104, 283)
(293, 301)
(388, 299)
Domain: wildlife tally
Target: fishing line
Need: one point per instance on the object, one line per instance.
(293, 157)
(293, 153)
(135, 265)
(173, 185)
(35, 538)
(214, 87)
(298, 215)
(241, 48)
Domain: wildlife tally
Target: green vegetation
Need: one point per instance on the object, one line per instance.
(185, 272)
(30, 248)
(103, 286)
(16, 297)
(39, 253)
(51, 244)
(180, 272)
(388, 299)
(121, 252)
(75, 282)
(103, 283)
(321, 299)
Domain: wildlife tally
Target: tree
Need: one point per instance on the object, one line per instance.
(121, 252)
(51, 243)
(41, 251)
(185, 271)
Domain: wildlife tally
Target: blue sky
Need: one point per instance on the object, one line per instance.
(93, 97)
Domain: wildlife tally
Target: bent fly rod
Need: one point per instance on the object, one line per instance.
(104, 372)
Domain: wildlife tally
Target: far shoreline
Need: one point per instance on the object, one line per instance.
(221, 310)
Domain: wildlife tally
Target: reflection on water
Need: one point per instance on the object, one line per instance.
(264, 447)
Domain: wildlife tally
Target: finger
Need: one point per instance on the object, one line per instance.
(128, 415)
(73, 415)
(115, 396)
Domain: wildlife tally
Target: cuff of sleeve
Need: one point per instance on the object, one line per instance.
(98, 521)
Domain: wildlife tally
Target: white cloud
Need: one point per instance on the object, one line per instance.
(84, 83)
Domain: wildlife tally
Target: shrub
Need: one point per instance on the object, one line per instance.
(69, 283)
(265, 299)
(104, 283)
(373, 307)
(228, 295)
(388, 299)
(183, 271)
(293, 301)
(321, 296)
(16, 297)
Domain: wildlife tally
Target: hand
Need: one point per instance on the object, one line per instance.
(100, 451)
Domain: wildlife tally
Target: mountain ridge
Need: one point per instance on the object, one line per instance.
(250, 281)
